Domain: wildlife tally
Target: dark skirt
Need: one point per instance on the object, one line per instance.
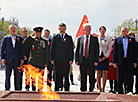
(104, 65)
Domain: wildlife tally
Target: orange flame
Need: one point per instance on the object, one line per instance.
(49, 95)
(33, 72)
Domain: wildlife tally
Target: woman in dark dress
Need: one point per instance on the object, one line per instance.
(103, 66)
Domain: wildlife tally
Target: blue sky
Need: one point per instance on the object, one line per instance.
(49, 13)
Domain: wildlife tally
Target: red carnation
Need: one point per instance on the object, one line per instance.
(129, 40)
(48, 43)
(33, 48)
(17, 39)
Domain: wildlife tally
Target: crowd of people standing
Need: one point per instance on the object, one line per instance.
(113, 59)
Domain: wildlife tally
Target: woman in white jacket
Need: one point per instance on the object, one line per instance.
(103, 67)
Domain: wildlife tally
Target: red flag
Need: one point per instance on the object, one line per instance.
(80, 31)
(95, 34)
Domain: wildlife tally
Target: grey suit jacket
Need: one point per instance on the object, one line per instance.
(93, 54)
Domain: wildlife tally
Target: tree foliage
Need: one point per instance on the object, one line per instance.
(6, 30)
(130, 24)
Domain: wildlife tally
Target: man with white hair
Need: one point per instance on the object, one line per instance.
(124, 59)
(12, 56)
(87, 57)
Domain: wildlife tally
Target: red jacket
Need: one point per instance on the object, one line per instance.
(112, 72)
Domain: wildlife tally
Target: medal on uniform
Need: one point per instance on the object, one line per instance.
(40, 42)
(43, 44)
(64, 39)
(33, 47)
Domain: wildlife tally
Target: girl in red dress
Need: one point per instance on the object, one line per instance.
(112, 72)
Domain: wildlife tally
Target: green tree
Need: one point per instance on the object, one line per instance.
(130, 24)
(5, 29)
(29, 30)
(18, 30)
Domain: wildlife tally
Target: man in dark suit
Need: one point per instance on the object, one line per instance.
(124, 57)
(62, 57)
(87, 56)
(50, 66)
(135, 71)
(26, 56)
(12, 55)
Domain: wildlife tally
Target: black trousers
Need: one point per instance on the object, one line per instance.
(136, 85)
(27, 86)
(83, 71)
(136, 80)
(49, 76)
(21, 80)
(61, 73)
(125, 76)
(17, 76)
(25, 63)
(113, 85)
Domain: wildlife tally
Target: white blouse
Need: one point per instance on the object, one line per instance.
(104, 46)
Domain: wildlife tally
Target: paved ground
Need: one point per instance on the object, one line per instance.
(73, 88)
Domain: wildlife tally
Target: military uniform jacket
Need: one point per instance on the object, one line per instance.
(39, 51)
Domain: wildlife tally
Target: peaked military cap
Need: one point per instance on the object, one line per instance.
(38, 29)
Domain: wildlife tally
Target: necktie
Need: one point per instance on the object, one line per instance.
(62, 36)
(86, 47)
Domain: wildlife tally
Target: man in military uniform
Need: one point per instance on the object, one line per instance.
(62, 57)
(39, 53)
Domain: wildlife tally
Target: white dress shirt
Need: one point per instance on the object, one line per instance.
(104, 46)
(63, 35)
(84, 44)
(13, 40)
